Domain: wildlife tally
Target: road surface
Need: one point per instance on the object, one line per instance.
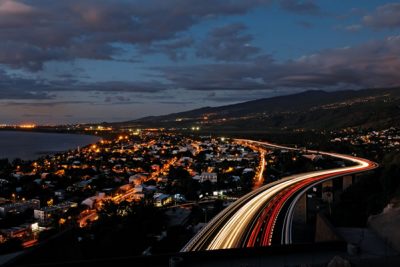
(251, 220)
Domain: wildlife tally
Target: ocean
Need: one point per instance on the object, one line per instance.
(31, 145)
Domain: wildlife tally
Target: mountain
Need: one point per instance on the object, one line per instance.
(376, 108)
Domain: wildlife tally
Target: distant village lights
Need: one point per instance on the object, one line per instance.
(27, 126)
(98, 128)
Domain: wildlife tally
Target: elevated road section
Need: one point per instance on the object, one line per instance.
(251, 221)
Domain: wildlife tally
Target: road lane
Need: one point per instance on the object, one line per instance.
(250, 221)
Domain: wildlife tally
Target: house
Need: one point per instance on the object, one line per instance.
(91, 201)
(45, 215)
(137, 179)
(17, 232)
(19, 206)
(161, 200)
(60, 194)
(210, 176)
(246, 170)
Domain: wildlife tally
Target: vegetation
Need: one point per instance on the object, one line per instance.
(123, 229)
(370, 194)
(308, 110)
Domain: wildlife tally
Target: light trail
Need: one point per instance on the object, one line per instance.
(250, 221)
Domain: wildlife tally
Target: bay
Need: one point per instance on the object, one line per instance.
(31, 145)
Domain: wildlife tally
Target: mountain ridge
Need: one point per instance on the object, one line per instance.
(308, 109)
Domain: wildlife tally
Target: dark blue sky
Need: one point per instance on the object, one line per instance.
(115, 60)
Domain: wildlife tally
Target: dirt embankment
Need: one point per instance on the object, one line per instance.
(387, 224)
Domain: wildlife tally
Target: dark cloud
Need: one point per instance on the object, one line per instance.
(17, 87)
(44, 103)
(6, 94)
(386, 16)
(39, 31)
(12, 87)
(174, 49)
(308, 7)
(228, 43)
(121, 100)
(34, 32)
(176, 102)
(22, 55)
(111, 99)
(212, 77)
(374, 64)
(36, 115)
(117, 86)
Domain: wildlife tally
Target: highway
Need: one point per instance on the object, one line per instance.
(251, 220)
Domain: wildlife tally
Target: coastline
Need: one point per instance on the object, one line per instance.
(31, 145)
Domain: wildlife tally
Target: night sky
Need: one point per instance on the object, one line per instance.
(114, 60)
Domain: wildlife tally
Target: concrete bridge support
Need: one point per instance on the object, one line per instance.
(347, 182)
(300, 211)
(327, 192)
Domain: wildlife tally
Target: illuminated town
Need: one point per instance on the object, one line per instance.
(186, 133)
(70, 189)
(136, 167)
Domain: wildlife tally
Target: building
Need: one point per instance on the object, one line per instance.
(208, 176)
(137, 179)
(246, 170)
(19, 207)
(161, 200)
(17, 232)
(91, 201)
(60, 194)
(45, 215)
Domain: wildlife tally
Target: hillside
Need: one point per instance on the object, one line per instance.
(307, 110)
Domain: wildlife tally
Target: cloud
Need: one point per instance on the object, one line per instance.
(184, 103)
(46, 30)
(8, 7)
(36, 115)
(308, 7)
(374, 64)
(120, 100)
(385, 16)
(228, 43)
(118, 86)
(214, 77)
(174, 49)
(353, 28)
(45, 103)
(14, 87)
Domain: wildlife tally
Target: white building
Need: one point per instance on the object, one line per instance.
(44, 215)
(210, 176)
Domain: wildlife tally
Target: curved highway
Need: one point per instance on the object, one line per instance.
(252, 220)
